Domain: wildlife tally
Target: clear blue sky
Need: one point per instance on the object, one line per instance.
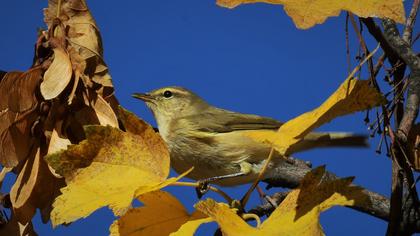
(251, 59)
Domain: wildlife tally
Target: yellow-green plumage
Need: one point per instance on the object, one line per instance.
(213, 141)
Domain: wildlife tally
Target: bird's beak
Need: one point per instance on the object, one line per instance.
(143, 96)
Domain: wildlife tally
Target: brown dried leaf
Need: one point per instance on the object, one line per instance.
(35, 187)
(17, 90)
(57, 143)
(16, 139)
(104, 112)
(18, 112)
(102, 78)
(83, 35)
(14, 228)
(82, 31)
(17, 96)
(84, 46)
(75, 84)
(57, 76)
(18, 104)
(79, 66)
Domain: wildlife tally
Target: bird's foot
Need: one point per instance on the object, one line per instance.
(202, 188)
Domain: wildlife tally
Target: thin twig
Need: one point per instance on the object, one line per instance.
(366, 52)
(411, 20)
(245, 199)
(357, 68)
(267, 208)
(415, 38)
(376, 32)
(411, 59)
(347, 43)
(379, 65)
(252, 216)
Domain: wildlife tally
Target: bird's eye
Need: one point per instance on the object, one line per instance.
(167, 94)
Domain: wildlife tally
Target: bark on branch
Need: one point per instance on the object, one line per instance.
(410, 58)
(289, 175)
(405, 209)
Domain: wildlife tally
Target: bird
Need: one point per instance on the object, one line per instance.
(214, 141)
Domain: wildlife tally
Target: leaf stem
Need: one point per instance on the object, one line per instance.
(363, 62)
(252, 216)
(245, 199)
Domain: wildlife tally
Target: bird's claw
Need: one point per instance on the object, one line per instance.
(202, 188)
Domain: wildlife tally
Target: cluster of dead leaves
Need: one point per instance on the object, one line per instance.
(45, 108)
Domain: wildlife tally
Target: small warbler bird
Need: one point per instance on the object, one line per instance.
(213, 140)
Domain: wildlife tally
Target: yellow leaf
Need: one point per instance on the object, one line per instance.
(353, 95)
(161, 214)
(135, 125)
(298, 214)
(307, 13)
(109, 168)
(57, 76)
(230, 223)
(191, 226)
(301, 209)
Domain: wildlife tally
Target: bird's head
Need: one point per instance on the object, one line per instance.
(169, 103)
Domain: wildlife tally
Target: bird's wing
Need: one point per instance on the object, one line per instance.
(222, 121)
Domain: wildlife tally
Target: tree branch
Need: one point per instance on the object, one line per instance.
(401, 219)
(408, 31)
(413, 62)
(267, 208)
(376, 32)
(395, 213)
(289, 175)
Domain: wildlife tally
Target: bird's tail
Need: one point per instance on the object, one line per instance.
(329, 139)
